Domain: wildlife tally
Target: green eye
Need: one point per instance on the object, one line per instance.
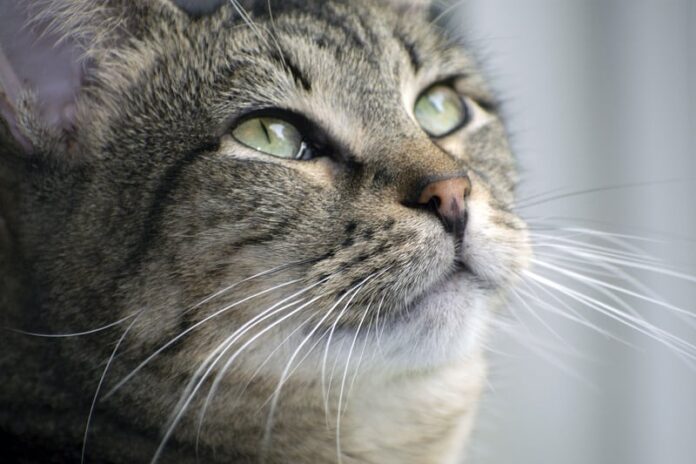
(272, 136)
(440, 110)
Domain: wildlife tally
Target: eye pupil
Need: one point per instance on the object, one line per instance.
(265, 130)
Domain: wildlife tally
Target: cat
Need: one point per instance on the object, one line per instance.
(262, 231)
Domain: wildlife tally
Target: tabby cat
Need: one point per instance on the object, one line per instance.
(261, 231)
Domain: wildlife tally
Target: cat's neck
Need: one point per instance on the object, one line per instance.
(424, 418)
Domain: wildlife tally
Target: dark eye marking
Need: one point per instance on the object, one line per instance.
(161, 199)
(410, 48)
(283, 60)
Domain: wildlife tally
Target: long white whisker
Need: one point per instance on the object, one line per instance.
(247, 279)
(572, 315)
(644, 267)
(637, 317)
(188, 330)
(536, 316)
(99, 386)
(637, 256)
(211, 361)
(366, 339)
(233, 357)
(283, 377)
(576, 264)
(74, 334)
(324, 388)
(611, 312)
(527, 204)
(190, 390)
(339, 411)
(615, 288)
(614, 271)
(379, 330)
(276, 349)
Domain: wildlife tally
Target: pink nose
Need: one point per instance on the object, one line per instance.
(447, 198)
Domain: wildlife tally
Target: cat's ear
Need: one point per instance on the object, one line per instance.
(39, 76)
(49, 49)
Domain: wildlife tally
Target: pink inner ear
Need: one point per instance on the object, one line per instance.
(35, 59)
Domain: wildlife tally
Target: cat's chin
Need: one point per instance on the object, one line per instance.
(446, 324)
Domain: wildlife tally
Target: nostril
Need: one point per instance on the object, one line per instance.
(447, 199)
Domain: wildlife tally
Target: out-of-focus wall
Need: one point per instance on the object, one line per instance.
(597, 93)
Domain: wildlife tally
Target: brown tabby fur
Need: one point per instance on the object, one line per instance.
(144, 206)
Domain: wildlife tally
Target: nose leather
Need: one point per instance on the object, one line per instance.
(447, 198)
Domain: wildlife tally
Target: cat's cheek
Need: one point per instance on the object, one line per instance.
(321, 171)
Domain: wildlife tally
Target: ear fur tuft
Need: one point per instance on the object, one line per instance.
(47, 47)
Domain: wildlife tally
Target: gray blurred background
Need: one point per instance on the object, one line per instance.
(597, 93)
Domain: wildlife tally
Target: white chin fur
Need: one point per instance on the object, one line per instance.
(446, 326)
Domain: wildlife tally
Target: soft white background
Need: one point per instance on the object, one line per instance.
(598, 93)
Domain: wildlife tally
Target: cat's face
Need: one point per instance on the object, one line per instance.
(167, 214)
(216, 211)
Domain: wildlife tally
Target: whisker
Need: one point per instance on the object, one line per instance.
(339, 411)
(655, 236)
(259, 368)
(199, 377)
(231, 359)
(615, 288)
(576, 264)
(324, 388)
(644, 267)
(639, 257)
(190, 391)
(247, 279)
(228, 343)
(608, 293)
(611, 312)
(527, 204)
(188, 330)
(536, 316)
(126, 318)
(605, 234)
(257, 29)
(379, 331)
(574, 316)
(612, 271)
(74, 334)
(445, 12)
(283, 377)
(99, 386)
(366, 339)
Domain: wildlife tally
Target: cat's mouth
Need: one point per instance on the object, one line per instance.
(461, 267)
(459, 273)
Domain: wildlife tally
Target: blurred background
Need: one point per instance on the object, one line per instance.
(598, 95)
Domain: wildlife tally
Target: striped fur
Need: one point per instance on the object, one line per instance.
(143, 206)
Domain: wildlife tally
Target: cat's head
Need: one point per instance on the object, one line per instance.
(290, 171)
